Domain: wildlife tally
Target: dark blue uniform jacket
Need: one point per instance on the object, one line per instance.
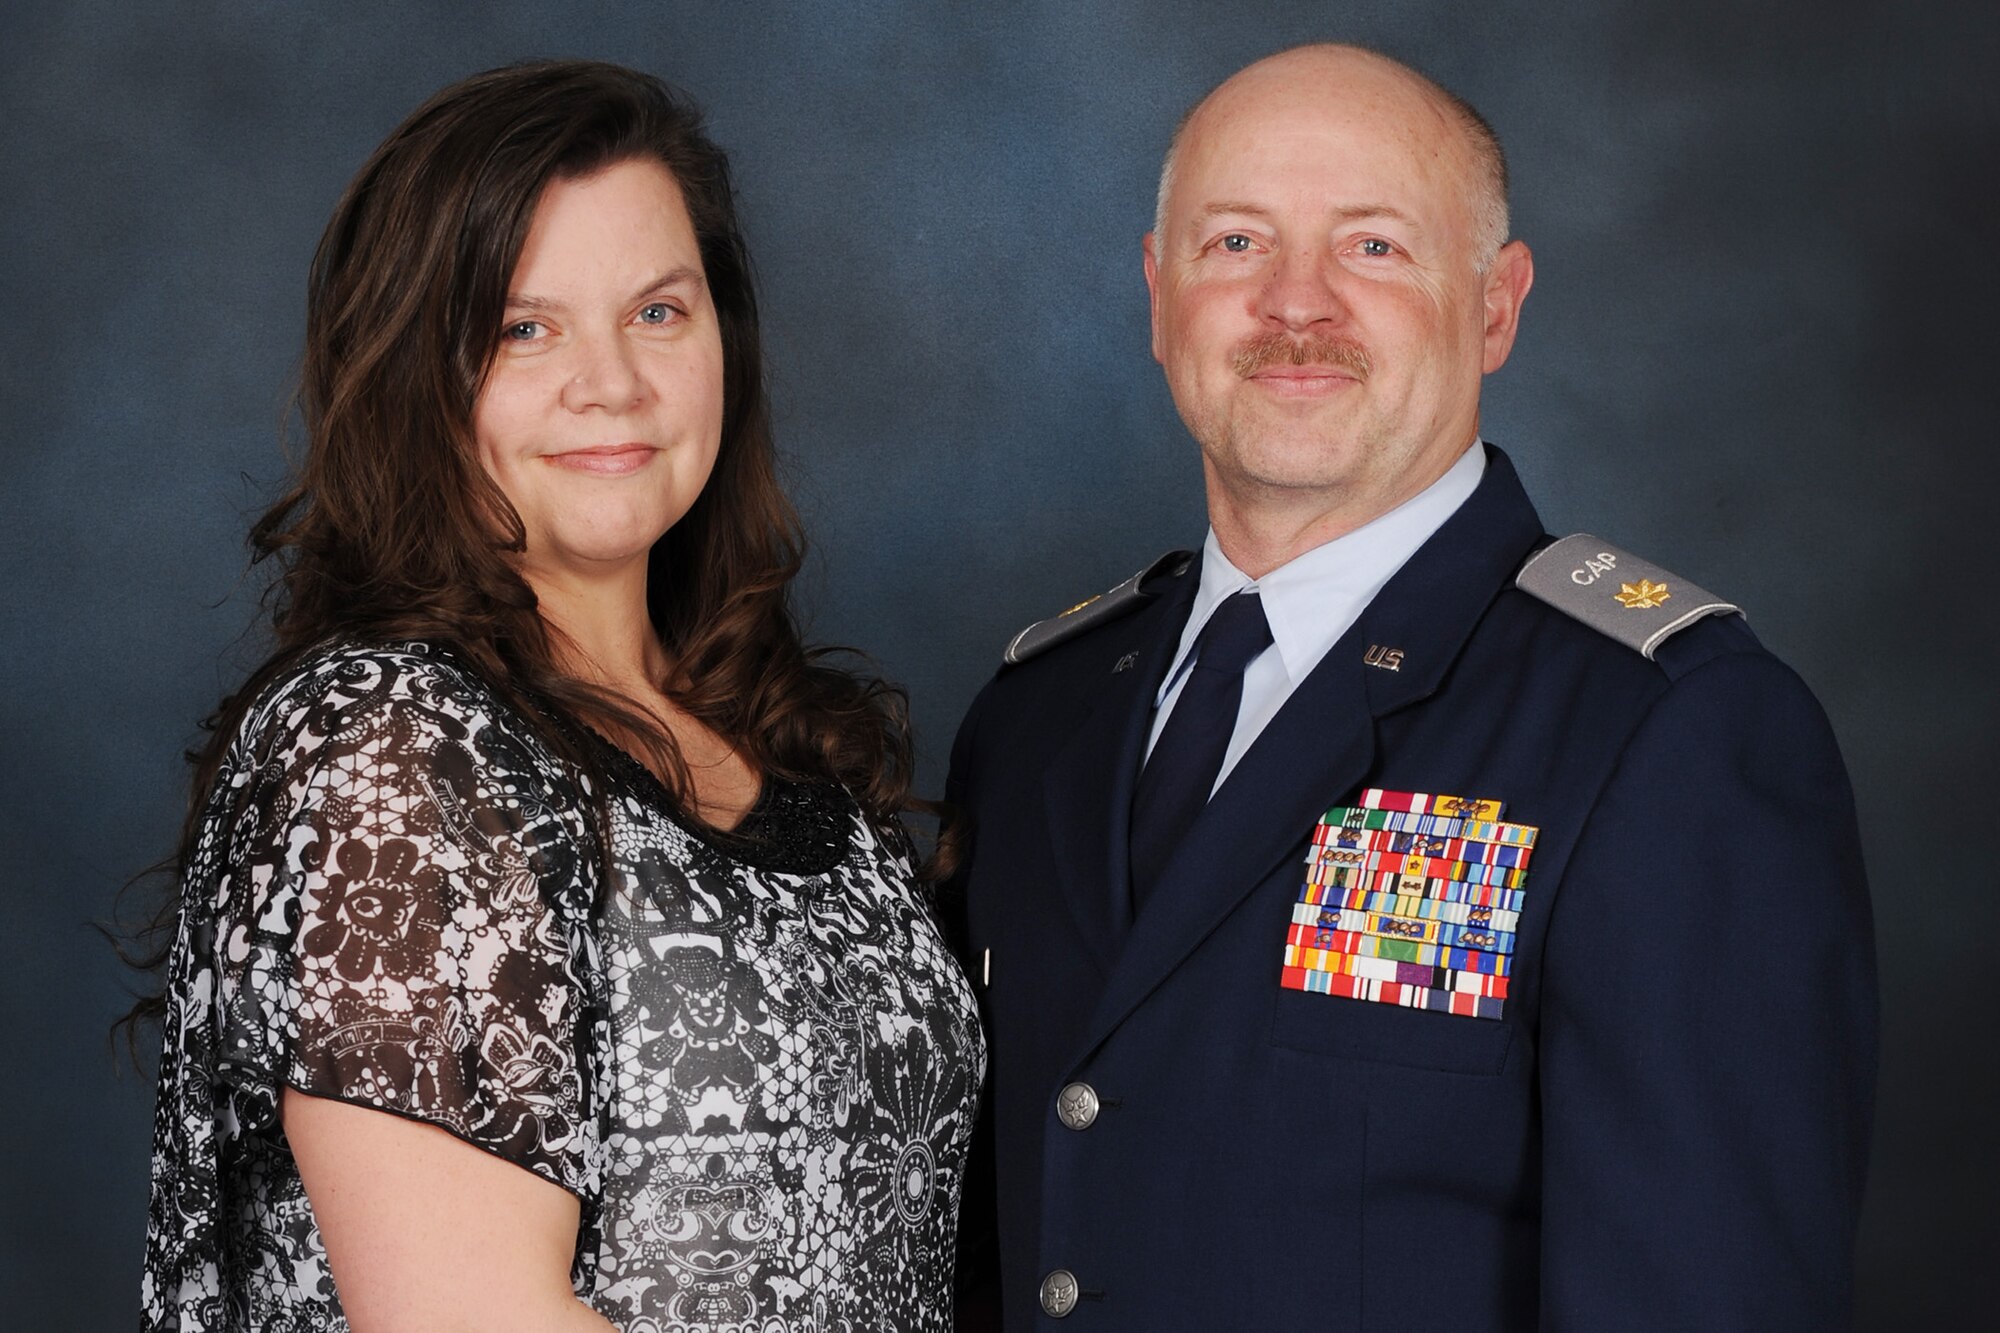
(1667, 1127)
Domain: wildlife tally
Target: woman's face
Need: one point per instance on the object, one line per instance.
(602, 412)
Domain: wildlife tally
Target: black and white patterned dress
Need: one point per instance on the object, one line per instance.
(754, 1061)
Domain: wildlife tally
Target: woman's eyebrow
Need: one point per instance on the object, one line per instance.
(683, 273)
(673, 277)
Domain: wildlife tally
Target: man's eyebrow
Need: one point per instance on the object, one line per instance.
(1240, 210)
(1356, 212)
(1347, 213)
(673, 277)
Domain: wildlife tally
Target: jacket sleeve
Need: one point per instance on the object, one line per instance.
(1708, 1023)
(978, 1261)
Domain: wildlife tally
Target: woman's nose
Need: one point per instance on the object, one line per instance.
(606, 376)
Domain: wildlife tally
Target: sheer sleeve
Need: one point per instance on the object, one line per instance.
(399, 917)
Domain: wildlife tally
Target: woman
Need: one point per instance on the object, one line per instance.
(549, 953)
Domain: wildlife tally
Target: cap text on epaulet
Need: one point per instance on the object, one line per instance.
(1616, 593)
(1107, 606)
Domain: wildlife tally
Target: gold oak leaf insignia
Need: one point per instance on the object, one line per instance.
(1641, 597)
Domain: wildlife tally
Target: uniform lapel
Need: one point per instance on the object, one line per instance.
(1320, 747)
(1322, 740)
(1087, 789)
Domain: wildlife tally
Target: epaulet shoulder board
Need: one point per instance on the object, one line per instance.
(1106, 606)
(1616, 593)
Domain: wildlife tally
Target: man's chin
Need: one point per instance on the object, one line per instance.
(1276, 479)
(1291, 459)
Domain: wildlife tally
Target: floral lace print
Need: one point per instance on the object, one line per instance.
(755, 1063)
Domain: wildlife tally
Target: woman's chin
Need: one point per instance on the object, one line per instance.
(596, 556)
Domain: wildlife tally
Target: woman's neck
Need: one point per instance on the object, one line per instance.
(604, 637)
(604, 633)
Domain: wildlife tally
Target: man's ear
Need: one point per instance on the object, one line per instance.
(1507, 284)
(1148, 245)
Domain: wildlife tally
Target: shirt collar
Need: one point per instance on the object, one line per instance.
(1311, 600)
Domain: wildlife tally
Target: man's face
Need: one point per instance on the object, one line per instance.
(1317, 302)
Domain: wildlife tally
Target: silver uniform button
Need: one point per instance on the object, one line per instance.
(1076, 1105)
(1058, 1293)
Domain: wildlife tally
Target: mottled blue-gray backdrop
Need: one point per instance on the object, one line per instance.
(1759, 351)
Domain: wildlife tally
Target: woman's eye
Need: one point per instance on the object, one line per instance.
(1377, 248)
(525, 330)
(1236, 243)
(659, 312)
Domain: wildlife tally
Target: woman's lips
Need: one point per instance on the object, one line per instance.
(605, 460)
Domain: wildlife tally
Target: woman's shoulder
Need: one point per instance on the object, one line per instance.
(404, 742)
(349, 672)
(345, 688)
(361, 731)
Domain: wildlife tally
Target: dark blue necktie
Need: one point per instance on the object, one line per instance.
(1174, 785)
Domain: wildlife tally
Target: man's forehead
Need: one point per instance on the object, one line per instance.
(1312, 115)
(1265, 141)
(1275, 153)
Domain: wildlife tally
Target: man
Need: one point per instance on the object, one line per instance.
(1387, 919)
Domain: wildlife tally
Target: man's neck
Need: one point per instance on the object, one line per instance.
(1262, 527)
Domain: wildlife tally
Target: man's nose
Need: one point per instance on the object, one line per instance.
(1301, 289)
(605, 374)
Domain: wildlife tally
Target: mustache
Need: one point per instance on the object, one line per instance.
(1277, 349)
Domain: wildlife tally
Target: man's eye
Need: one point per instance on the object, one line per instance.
(1377, 248)
(525, 330)
(659, 312)
(1236, 243)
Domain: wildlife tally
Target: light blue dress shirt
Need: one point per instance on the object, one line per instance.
(1311, 601)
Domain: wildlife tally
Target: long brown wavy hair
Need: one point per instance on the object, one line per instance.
(392, 529)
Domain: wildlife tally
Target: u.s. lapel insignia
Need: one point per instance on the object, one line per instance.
(1645, 595)
(1411, 899)
(1388, 659)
